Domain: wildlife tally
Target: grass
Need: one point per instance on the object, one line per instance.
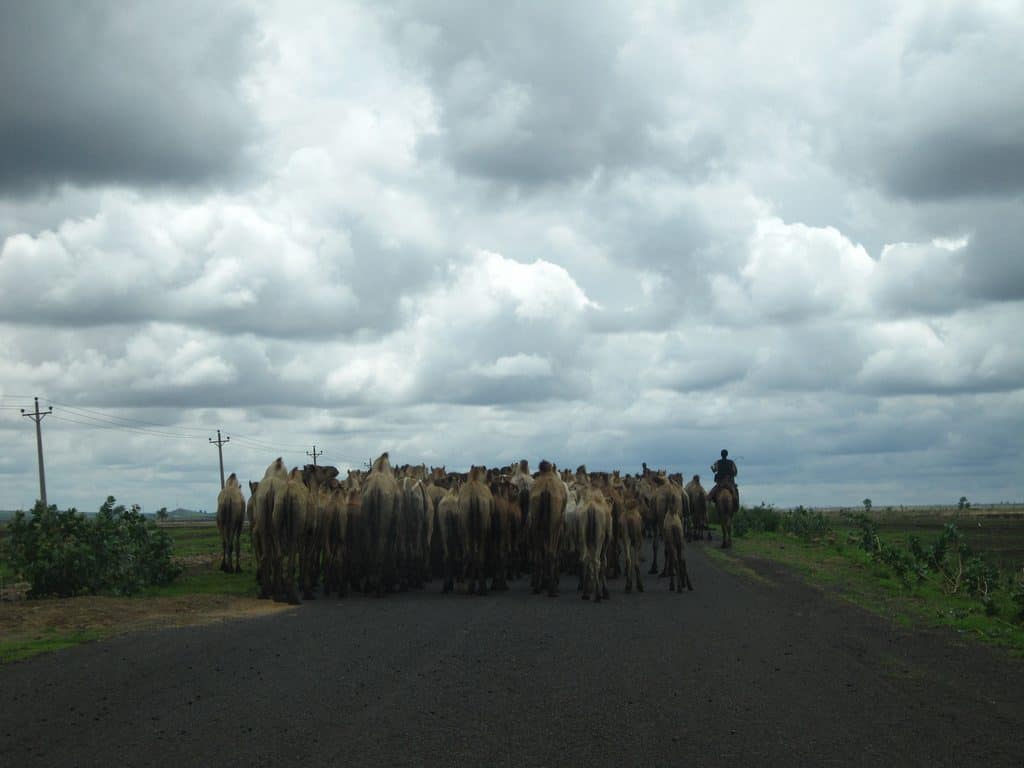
(203, 581)
(844, 569)
(52, 640)
(732, 565)
(200, 594)
(197, 546)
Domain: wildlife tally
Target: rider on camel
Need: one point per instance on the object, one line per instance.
(725, 476)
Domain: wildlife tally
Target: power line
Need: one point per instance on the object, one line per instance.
(90, 413)
(314, 454)
(137, 430)
(264, 444)
(90, 417)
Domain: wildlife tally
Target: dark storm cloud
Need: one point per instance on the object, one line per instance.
(945, 165)
(542, 94)
(119, 92)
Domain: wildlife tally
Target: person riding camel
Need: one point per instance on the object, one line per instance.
(725, 476)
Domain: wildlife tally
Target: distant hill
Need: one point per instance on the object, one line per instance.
(180, 513)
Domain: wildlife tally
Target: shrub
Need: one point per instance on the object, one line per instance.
(805, 523)
(762, 518)
(1017, 595)
(66, 553)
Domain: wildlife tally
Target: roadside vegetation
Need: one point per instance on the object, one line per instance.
(918, 573)
(65, 553)
(124, 571)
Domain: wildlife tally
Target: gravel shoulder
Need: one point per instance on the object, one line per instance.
(742, 670)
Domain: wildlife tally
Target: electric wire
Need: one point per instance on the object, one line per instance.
(101, 415)
(90, 417)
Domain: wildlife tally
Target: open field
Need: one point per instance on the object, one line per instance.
(995, 533)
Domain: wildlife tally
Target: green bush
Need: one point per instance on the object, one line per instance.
(762, 518)
(805, 523)
(67, 553)
(1017, 594)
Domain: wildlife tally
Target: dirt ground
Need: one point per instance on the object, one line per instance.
(34, 619)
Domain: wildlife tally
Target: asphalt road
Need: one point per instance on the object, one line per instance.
(736, 673)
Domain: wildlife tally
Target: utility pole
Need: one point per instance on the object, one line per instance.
(37, 417)
(220, 454)
(314, 454)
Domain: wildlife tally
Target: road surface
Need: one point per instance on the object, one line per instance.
(736, 673)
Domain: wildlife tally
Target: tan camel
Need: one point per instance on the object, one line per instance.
(230, 516)
(476, 507)
(380, 510)
(547, 509)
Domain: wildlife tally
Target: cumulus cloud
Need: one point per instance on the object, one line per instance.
(795, 273)
(592, 232)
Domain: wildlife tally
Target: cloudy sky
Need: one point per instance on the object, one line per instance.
(461, 231)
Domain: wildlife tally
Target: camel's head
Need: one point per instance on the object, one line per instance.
(277, 469)
(383, 463)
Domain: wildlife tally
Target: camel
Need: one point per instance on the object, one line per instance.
(317, 480)
(292, 508)
(522, 480)
(633, 540)
(699, 505)
(265, 495)
(435, 546)
(415, 517)
(595, 522)
(381, 504)
(645, 489)
(449, 536)
(726, 506)
(612, 488)
(667, 497)
(250, 512)
(476, 507)
(504, 531)
(230, 516)
(547, 509)
(335, 542)
(674, 553)
(686, 512)
(355, 541)
(569, 555)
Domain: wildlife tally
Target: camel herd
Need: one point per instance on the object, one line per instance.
(398, 528)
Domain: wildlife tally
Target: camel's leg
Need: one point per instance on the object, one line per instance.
(654, 551)
(552, 573)
(686, 575)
